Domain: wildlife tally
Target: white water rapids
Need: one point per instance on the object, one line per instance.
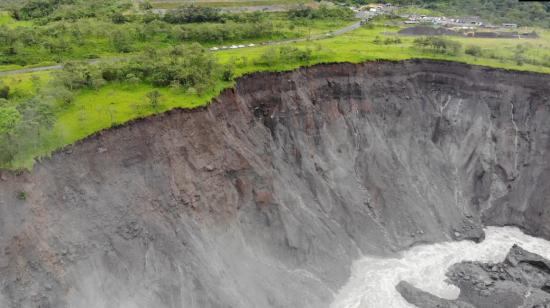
(373, 280)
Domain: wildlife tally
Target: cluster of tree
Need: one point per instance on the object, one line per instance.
(438, 44)
(183, 66)
(21, 126)
(86, 38)
(53, 10)
(193, 14)
(323, 12)
(230, 31)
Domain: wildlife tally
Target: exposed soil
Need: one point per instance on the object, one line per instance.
(264, 198)
(427, 30)
(431, 31)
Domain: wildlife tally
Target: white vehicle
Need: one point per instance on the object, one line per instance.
(251, 45)
(241, 46)
(214, 49)
(234, 46)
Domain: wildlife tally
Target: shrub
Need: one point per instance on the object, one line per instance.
(22, 195)
(438, 44)
(474, 50)
(4, 91)
(119, 18)
(154, 98)
(228, 73)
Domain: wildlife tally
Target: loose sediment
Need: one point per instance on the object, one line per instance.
(264, 198)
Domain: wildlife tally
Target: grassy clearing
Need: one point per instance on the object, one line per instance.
(116, 103)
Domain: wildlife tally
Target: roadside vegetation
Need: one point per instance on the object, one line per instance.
(42, 112)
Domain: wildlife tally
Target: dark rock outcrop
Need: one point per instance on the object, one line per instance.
(424, 299)
(522, 280)
(265, 197)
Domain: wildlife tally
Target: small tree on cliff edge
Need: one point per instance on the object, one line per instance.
(154, 99)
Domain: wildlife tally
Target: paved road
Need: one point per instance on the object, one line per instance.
(341, 31)
(41, 68)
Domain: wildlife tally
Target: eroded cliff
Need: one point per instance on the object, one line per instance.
(264, 198)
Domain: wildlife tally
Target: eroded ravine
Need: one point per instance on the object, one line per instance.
(264, 198)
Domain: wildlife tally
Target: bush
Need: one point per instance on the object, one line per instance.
(473, 50)
(63, 95)
(22, 195)
(119, 18)
(228, 73)
(4, 91)
(154, 99)
(387, 41)
(76, 75)
(438, 44)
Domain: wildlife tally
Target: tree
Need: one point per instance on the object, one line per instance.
(121, 41)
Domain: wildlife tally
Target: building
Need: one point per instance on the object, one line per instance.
(506, 25)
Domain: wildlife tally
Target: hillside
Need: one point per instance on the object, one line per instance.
(266, 196)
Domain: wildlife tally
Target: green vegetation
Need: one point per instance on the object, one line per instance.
(51, 40)
(42, 112)
(22, 195)
(438, 44)
(224, 3)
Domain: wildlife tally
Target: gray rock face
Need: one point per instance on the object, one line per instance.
(264, 198)
(522, 280)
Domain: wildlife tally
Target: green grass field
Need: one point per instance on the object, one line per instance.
(118, 103)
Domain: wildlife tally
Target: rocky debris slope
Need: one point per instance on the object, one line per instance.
(264, 198)
(521, 280)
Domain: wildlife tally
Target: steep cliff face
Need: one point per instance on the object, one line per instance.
(264, 198)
